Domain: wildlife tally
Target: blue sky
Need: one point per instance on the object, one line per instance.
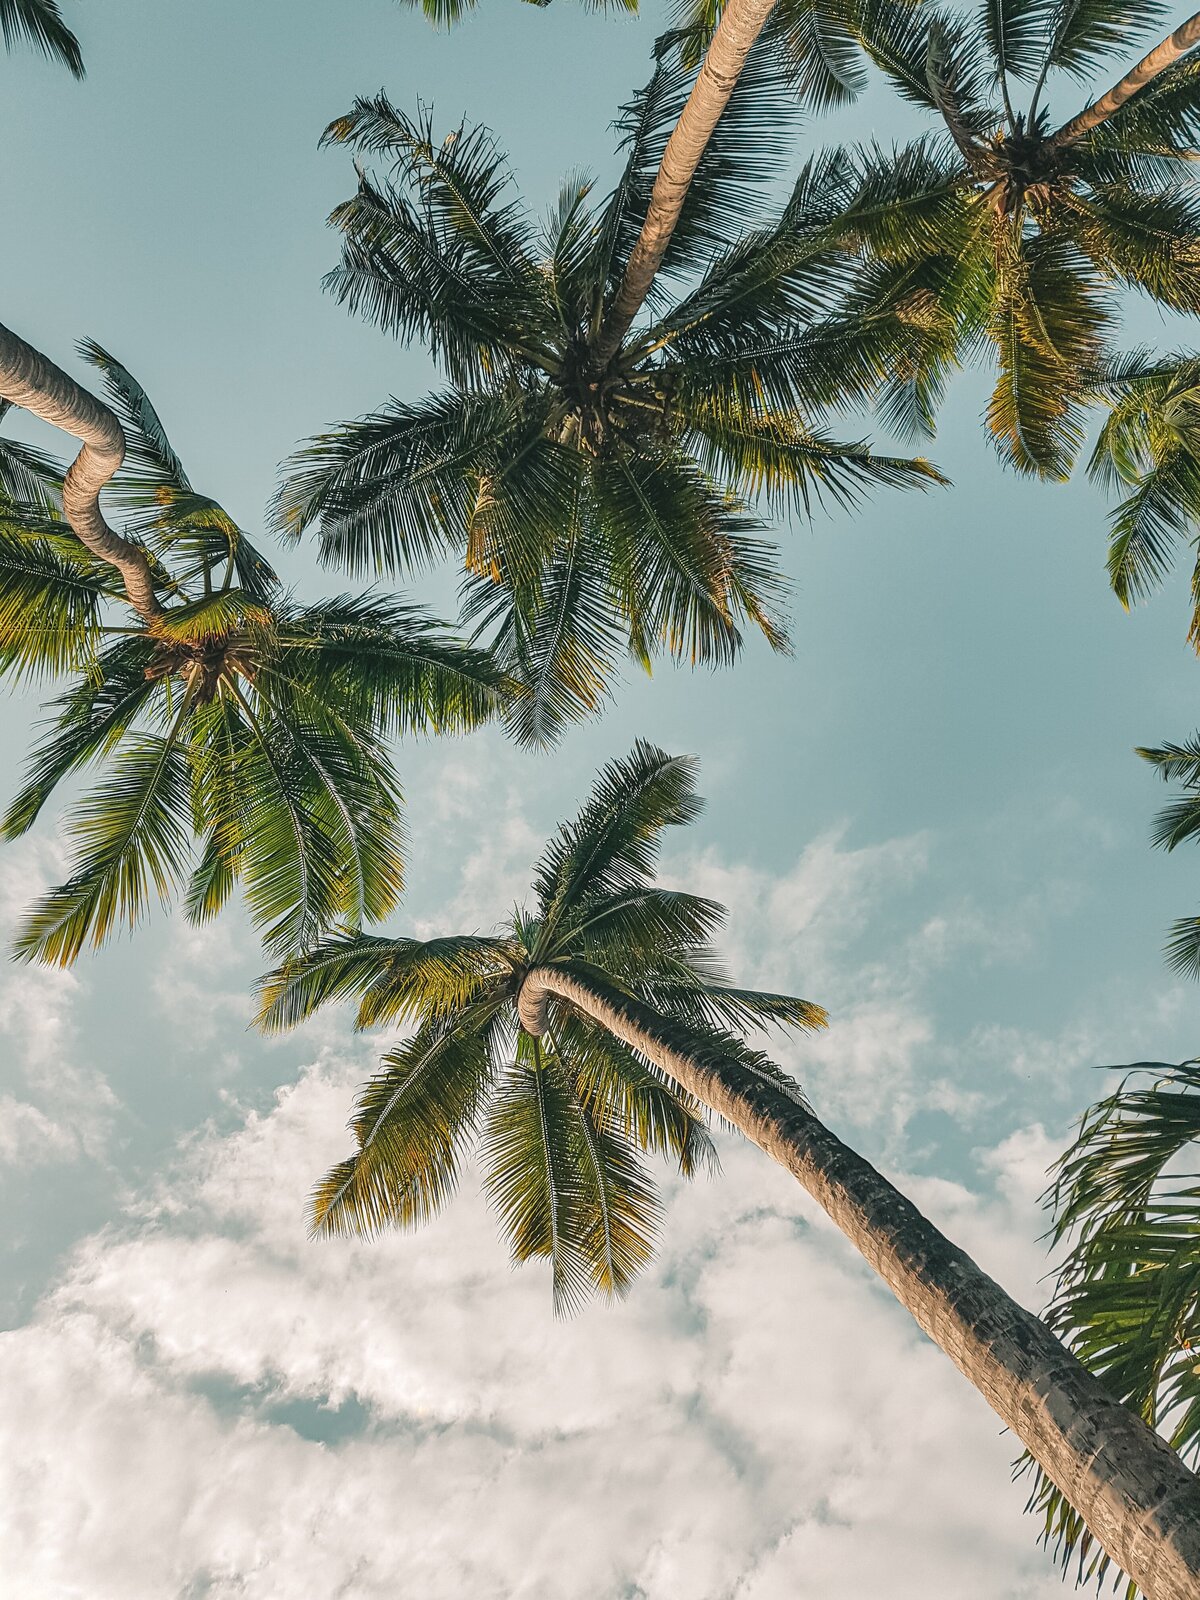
(929, 818)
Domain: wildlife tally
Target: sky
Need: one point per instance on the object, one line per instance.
(929, 818)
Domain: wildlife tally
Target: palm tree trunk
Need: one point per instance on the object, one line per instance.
(741, 23)
(1135, 1494)
(28, 379)
(1148, 68)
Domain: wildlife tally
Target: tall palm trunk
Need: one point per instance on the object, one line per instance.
(1135, 1494)
(741, 23)
(1148, 68)
(28, 379)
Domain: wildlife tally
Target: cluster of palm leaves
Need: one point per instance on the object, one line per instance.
(560, 1120)
(599, 503)
(236, 718)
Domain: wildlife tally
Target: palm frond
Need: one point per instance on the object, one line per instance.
(531, 1159)
(131, 837)
(1086, 34)
(91, 719)
(50, 600)
(413, 1122)
(612, 845)
(1127, 1301)
(40, 23)
(386, 664)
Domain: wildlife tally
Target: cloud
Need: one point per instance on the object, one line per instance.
(759, 1419)
(55, 1107)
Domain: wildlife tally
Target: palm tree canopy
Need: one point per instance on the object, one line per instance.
(1125, 1198)
(559, 1122)
(235, 716)
(600, 505)
(1005, 228)
(40, 24)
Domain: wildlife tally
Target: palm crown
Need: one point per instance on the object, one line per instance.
(233, 715)
(600, 502)
(1010, 230)
(560, 1121)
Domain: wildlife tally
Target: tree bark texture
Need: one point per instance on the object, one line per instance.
(741, 23)
(29, 380)
(1148, 68)
(1135, 1494)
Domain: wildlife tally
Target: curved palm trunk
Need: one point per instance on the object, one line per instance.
(741, 23)
(1133, 1491)
(1148, 68)
(28, 379)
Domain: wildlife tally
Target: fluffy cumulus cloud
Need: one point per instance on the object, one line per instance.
(210, 1404)
(55, 1104)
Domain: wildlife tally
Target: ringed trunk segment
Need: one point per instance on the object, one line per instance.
(33, 382)
(1163, 55)
(1134, 1493)
(741, 23)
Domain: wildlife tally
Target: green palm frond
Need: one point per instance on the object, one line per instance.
(790, 468)
(131, 838)
(1045, 323)
(1174, 825)
(1149, 446)
(92, 719)
(50, 600)
(1017, 33)
(29, 477)
(557, 635)
(1149, 240)
(411, 1122)
(157, 501)
(531, 1154)
(612, 845)
(397, 979)
(611, 1081)
(686, 564)
(386, 664)
(1085, 34)
(40, 23)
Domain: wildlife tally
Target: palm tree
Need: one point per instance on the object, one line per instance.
(1007, 230)
(1127, 1301)
(220, 708)
(599, 501)
(540, 1044)
(40, 23)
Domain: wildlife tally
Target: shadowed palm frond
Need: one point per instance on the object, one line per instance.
(40, 23)
(1126, 1201)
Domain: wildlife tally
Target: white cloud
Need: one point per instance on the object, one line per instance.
(758, 1420)
(54, 1106)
